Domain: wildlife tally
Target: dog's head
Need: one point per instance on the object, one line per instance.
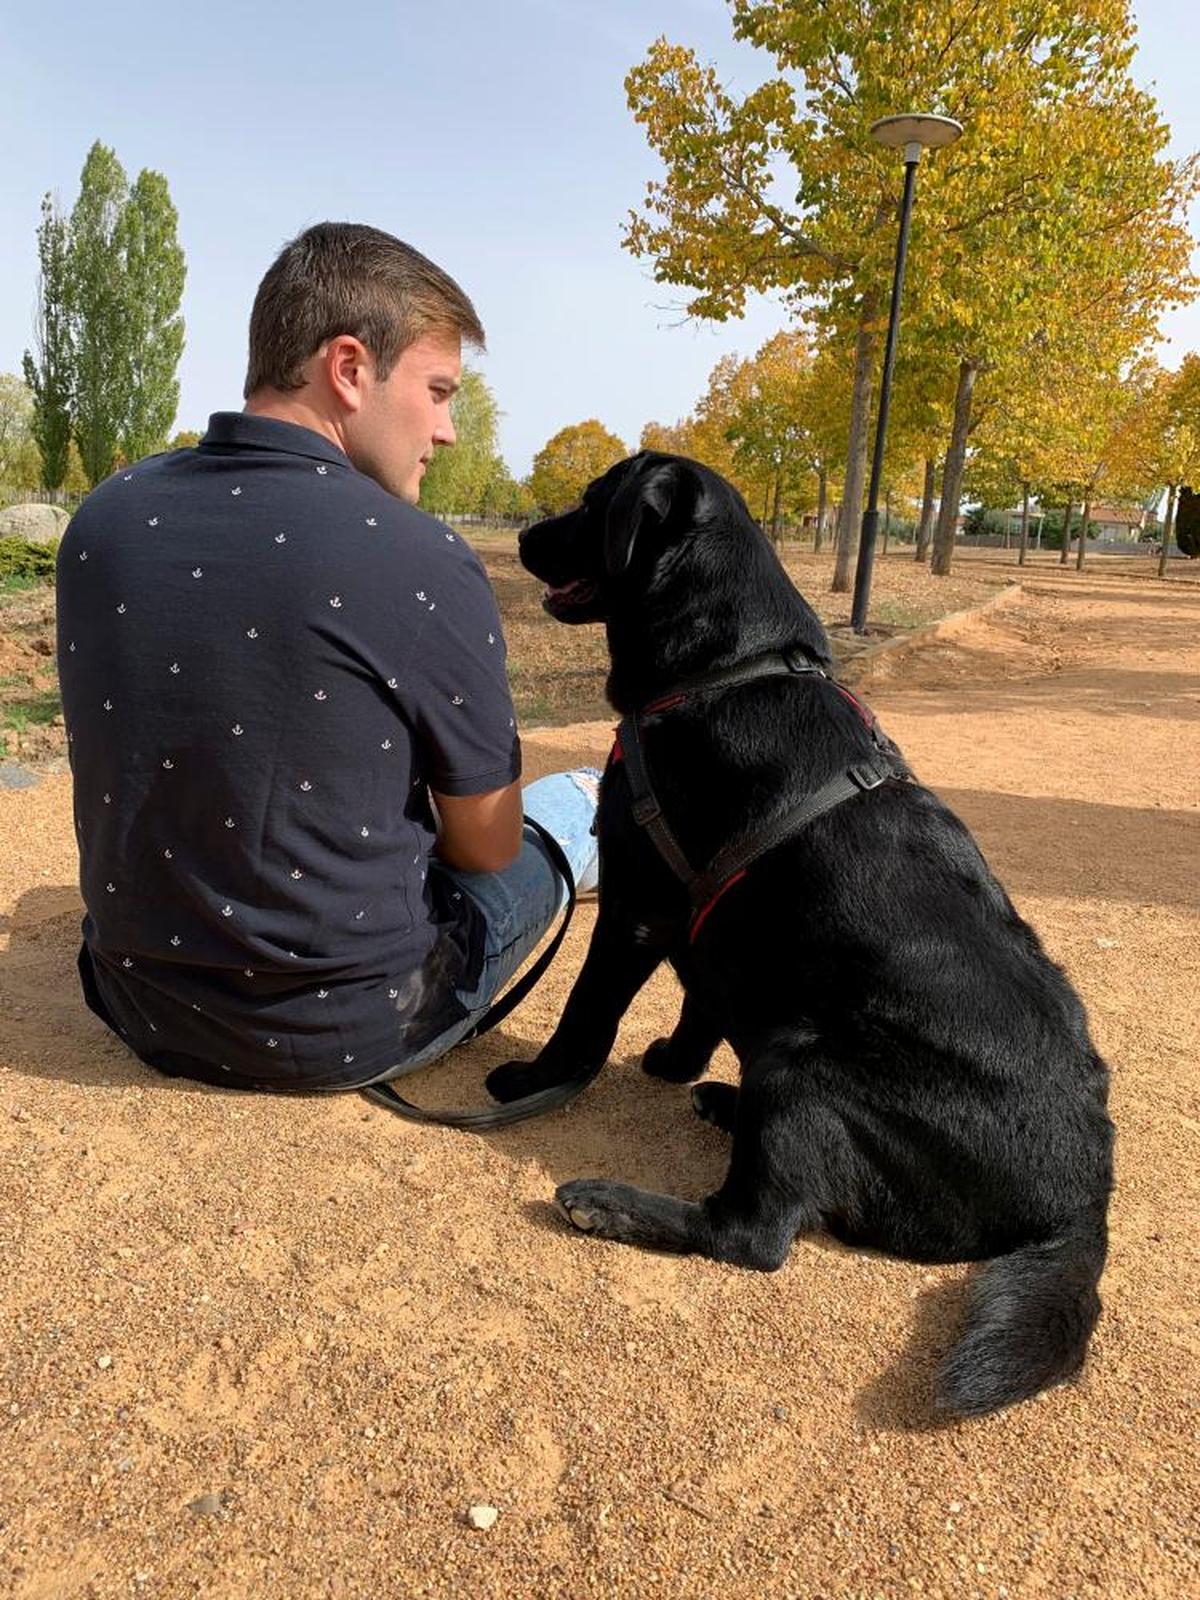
(634, 513)
(664, 551)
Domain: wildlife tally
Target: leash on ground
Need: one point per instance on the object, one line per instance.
(530, 1105)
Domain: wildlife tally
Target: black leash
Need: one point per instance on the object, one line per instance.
(531, 1105)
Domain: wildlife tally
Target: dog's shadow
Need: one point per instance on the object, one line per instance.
(900, 1399)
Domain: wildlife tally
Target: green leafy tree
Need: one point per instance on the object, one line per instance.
(99, 311)
(567, 463)
(19, 459)
(463, 477)
(152, 273)
(49, 367)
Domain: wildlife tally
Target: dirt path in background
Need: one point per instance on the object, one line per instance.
(344, 1329)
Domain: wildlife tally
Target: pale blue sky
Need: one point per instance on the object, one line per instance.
(493, 137)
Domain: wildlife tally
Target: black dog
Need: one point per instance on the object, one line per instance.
(917, 1075)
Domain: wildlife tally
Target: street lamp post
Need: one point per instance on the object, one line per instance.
(912, 132)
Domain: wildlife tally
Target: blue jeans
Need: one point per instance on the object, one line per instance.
(519, 904)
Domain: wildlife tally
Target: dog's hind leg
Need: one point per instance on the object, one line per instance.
(717, 1103)
(752, 1219)
(686, 1054)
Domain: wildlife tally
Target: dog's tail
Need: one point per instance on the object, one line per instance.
(1029, 1320)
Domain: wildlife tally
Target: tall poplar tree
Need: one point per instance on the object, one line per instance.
(99, 313)
(152, 270)
(48, 368)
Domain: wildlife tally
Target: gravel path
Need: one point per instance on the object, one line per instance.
(255, 1347)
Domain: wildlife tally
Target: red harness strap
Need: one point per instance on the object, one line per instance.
(697, 921)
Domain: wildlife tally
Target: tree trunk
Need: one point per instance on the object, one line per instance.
(777, 509)
(766, 516)
(925, 526)
(1066, 538)
(1168, 528)
(952, 473)
(1083, 522)
(850, 519)
(887, 522)
(822, 495)
(1023, 551)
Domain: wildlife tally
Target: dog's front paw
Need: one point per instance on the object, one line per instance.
(662, 1061)
(515, 1079)
(634, 1216)
(593, 1206)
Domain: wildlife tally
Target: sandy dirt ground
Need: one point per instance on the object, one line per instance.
(273, 1347)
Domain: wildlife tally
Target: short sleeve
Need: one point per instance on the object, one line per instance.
(456, 684)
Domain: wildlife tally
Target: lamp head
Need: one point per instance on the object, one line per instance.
(914, 131)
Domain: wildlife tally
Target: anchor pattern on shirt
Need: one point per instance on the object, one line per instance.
(247, 730)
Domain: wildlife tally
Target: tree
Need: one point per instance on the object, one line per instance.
(19, 460)
(567, 463)
(1096, 250)
(99, 311)
(1035, 182)
(1176, 453)
(152, 273)
(775, 427)
(48, 369)
(185, 439)
(467, 476)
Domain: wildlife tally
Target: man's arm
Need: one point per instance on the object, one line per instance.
(479, 832)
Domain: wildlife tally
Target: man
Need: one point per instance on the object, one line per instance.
(296, 763)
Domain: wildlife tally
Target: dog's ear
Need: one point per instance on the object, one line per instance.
(643, 501)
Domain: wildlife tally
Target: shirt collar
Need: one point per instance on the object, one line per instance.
(246, 431)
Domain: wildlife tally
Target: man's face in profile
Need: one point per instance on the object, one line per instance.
(405, 417)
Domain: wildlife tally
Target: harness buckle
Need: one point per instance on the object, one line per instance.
(866, 776)
(796, 661)
(645, 809)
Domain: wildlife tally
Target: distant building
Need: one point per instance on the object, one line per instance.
(1114, 523)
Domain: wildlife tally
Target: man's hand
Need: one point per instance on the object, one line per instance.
(479, 832)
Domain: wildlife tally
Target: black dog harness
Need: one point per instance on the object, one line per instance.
(730, 864)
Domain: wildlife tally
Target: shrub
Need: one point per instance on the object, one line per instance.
(1187, 523)
(21, 558)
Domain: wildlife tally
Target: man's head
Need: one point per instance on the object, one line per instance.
(357, 335)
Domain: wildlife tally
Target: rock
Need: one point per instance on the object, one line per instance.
(1108, 944)
(104, 1362)
(37, 523)
(13, 776)
(482, 1517)
(207, 1505)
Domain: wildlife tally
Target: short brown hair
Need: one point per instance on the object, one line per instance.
(346, 277)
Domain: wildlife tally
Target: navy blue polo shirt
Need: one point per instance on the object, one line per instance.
(267, 661)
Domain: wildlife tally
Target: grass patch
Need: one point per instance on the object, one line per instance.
(19, 583)
(899, 614)
(34, 710)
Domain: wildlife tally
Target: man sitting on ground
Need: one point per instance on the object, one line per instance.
(296, 761)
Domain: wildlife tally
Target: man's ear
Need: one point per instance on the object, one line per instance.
(345, 362)
(643, 500)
